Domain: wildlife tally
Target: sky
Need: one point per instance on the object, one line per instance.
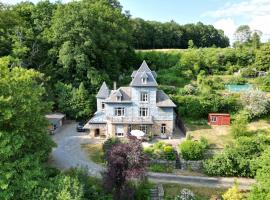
(223, 14)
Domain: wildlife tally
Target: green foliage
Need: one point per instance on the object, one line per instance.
(239, 126)
(237, 159)
(233, 193)
(75, 102)
(142, 190)
(152, 34)
(161, 168)
(197, 107)
(263, 58)
(261, 190)
(256, 103)
(193, 150)
(160, 150)
(24, 140)
(237, 80)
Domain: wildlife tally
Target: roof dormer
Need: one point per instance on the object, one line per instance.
(144, 78)
(118, 95)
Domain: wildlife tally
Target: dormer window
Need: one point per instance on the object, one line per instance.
(144, 80)
(119, 98)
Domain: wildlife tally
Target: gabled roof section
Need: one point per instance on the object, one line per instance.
(163, 100)
(118, 93)
(143, 72)
(125, 93)
(103, 92)
(144, 75)
(144, 67)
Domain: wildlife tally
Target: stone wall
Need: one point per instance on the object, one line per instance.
(193, 165)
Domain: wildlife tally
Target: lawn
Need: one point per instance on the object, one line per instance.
(217, 136)
(202, 193)
(94, 152)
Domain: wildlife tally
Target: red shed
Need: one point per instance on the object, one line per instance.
(219, 119)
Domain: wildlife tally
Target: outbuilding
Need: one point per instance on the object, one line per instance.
(56, 121)
(219, 119)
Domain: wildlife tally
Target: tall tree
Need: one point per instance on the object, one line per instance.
(243, 34)
(24, 141)
(262, 61)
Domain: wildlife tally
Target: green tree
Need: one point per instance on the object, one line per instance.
(261, 190)
(243, 34)
(263, 57)
(24, 141)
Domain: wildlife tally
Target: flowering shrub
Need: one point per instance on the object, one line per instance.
(161, 150)
(185, 194)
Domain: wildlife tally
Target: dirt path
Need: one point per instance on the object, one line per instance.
(69, 153)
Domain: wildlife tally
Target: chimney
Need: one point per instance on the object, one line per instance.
(114, 85)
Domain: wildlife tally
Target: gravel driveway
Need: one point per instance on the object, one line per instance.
(69, 153)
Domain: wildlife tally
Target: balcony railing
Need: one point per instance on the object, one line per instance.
(131, 120)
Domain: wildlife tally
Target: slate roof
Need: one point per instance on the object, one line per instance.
(98, 118)
(124, 92)
(163, 100)
(143, 72)
(103, 92)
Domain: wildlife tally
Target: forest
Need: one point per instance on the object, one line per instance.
(54, 57)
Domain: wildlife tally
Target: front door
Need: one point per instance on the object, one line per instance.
(97, 132)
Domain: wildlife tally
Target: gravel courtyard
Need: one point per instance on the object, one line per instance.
(69, 153)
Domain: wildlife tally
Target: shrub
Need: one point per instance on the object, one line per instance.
(160, 150)
(161, 168)
(108, 144)
(239, 126)
(185, 194)
(237, 159)
(233, 193)
(169, 153)
(193, 150)
(237, 80)
(255, 102)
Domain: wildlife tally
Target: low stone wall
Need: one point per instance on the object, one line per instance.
(165, 162)
(194, 165)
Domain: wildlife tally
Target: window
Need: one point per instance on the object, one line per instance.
(102, 105)
(143, 112)
(119, 134)
(119, 130)
(119, 111)
(144, 128)
(213, 118)
(163, 129)
(144, 96)
(119, 98)
(144, 80)
(129, 128)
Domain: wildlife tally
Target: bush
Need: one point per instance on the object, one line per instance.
(142, 190)
(237, 159)
(160, 150)
(233, 193)
(239, 126)
(193, 150)
(108, 144)
(161, 168)
(255, 102)
(237, 80)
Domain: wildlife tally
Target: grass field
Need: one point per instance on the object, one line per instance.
(202, 193)
(95, 152)
(219, 136)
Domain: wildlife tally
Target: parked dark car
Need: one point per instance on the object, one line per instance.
(80, 127)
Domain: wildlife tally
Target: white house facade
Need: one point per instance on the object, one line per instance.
(140, 106)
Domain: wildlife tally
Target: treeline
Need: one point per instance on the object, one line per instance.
(157, 35)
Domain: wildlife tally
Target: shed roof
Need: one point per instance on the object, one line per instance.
(55, 116)
(219, 114)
